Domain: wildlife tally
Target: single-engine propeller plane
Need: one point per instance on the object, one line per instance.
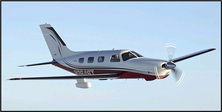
(107, 64)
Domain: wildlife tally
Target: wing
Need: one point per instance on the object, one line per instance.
(192, 55)
(112, 75)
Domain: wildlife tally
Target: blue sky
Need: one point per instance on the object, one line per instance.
(141, 26)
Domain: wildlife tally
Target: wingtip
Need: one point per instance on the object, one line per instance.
(15, 79)
(22, 66)
(212, 49)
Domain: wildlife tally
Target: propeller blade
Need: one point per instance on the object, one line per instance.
(156, 72)
(170, 50)
(178, 74)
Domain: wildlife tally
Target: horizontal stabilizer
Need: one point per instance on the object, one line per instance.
(44, 63)
(113, 75)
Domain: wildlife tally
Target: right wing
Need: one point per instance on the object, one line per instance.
(111, 75)
(192, 55)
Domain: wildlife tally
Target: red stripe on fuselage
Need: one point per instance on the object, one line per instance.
(122, 74)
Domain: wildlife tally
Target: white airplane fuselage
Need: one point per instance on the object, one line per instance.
(137, 67)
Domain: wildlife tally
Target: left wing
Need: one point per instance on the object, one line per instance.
(112, 75)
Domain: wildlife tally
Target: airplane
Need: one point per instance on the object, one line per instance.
(107, 64)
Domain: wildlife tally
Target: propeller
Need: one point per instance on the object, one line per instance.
(170, 50)
(177, 73)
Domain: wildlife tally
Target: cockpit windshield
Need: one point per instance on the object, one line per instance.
(130, 54)
(138, 55)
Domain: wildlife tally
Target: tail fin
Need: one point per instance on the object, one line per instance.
(56, 45)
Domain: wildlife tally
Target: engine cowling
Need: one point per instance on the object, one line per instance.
(169, 65)
(83, 84)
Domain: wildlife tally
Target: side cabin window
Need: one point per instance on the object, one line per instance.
(115, 58)
(101, 59)
(90, 59)
(128, 55)
(81, 60)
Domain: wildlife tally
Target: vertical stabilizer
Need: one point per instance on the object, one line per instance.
(57, 46)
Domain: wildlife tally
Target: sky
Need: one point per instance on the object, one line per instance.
(144, 27)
